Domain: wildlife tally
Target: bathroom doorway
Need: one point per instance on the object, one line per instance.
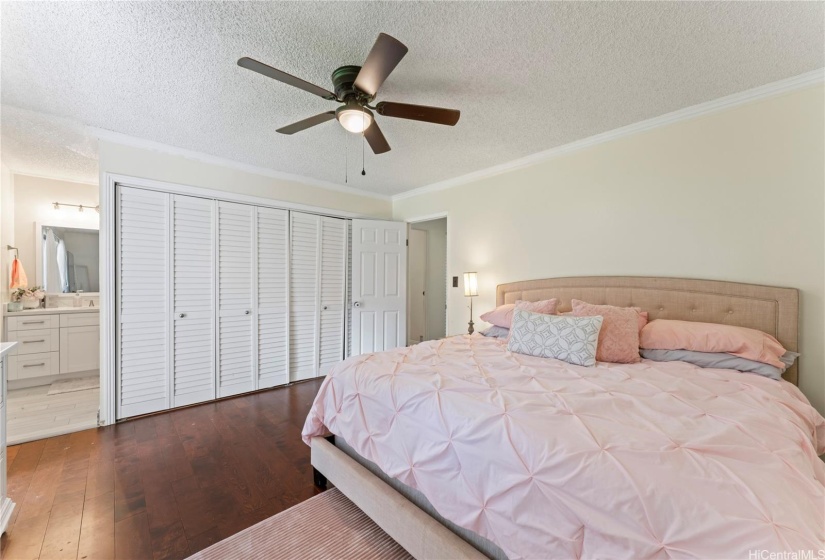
(427, 280)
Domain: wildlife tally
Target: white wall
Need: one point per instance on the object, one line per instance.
(149, 164)
(738, 196)
(33, 203)
(436, 283)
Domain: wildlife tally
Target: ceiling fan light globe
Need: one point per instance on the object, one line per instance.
(354, 119)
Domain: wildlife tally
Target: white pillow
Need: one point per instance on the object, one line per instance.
(563, 337)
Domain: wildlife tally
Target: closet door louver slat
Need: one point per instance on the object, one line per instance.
(303, 303)
(236, 343)
(333, 260)
(194, 300)
(273, 297)
(143, 302)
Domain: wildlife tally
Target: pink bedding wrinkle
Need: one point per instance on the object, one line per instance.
(552, 460)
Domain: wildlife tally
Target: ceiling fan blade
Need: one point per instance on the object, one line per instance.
(307, 123)
(288, 79)
(385, 55)
(375, 138)
(435, 115)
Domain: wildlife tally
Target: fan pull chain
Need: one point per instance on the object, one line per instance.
(346, 159)
(363, 138)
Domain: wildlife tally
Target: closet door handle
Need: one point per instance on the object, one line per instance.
(247, 312)
(182, 315)
(325, 308)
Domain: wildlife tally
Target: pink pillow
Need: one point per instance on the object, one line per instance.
(644, 317)
(502, 316)
(619, 337)
(665, 334)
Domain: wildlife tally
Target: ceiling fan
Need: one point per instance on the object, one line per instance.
(356, 87)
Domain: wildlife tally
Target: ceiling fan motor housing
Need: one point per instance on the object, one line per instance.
(343, 79)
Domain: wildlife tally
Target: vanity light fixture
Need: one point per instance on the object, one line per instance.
(80, 207)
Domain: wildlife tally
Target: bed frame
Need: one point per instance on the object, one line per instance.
(768, 309)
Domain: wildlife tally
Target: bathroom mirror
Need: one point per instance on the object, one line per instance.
(70, 259)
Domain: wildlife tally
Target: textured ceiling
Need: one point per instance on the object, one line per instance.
(526, 76)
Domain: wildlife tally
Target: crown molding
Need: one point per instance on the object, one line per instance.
(708, 108)
(51, 177)
(142, 143)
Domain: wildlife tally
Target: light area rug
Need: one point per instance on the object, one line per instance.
(325, 527)
(71, 385)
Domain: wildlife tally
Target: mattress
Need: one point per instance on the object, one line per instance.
(546, 459)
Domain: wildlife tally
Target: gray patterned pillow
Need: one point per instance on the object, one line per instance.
(564, 337)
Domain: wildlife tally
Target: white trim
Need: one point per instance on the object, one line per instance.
(708, 108)
(6, 508)
(226, 196)
(142, 143)
(426, 218)
(108, 311)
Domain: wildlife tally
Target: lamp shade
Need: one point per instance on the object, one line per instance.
(470, 284)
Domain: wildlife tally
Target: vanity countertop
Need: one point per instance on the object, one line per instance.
(52, 311)
(5, 347)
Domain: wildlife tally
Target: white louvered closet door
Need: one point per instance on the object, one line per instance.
(303, 304)
(237, 351)
(273, 297)
(333, 276)
(193, 289)
(143, 301)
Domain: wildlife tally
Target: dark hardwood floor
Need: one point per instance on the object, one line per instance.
(163, 486)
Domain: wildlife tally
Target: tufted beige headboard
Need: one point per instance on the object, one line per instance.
(768, 309)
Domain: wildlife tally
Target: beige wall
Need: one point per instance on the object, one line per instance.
(33, 203)
(738, 196)
(148, 164)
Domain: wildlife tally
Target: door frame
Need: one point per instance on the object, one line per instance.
(108, 261)
(430, 218)
(426, 273)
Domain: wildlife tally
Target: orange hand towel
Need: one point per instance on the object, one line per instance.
(18, 275)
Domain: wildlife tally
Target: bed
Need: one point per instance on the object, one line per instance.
(458, 448)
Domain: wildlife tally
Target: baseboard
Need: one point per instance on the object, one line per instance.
(5, 514)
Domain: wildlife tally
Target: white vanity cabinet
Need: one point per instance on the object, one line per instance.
(52, 342)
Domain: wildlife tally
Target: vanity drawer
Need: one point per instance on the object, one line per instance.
(79, 320)
(35, 342)
(22, 323)
(34, 365)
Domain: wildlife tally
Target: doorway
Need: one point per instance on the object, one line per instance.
(427, 280)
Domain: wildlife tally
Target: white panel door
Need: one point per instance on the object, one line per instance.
(333, 296)
(237, 351)
(304, 267)
(379, 285)
(143, 302)
(193, 290)
(273, 297)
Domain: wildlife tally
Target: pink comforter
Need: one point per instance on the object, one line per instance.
(551, 460)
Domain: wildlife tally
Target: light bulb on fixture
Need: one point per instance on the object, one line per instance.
(354, 118)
